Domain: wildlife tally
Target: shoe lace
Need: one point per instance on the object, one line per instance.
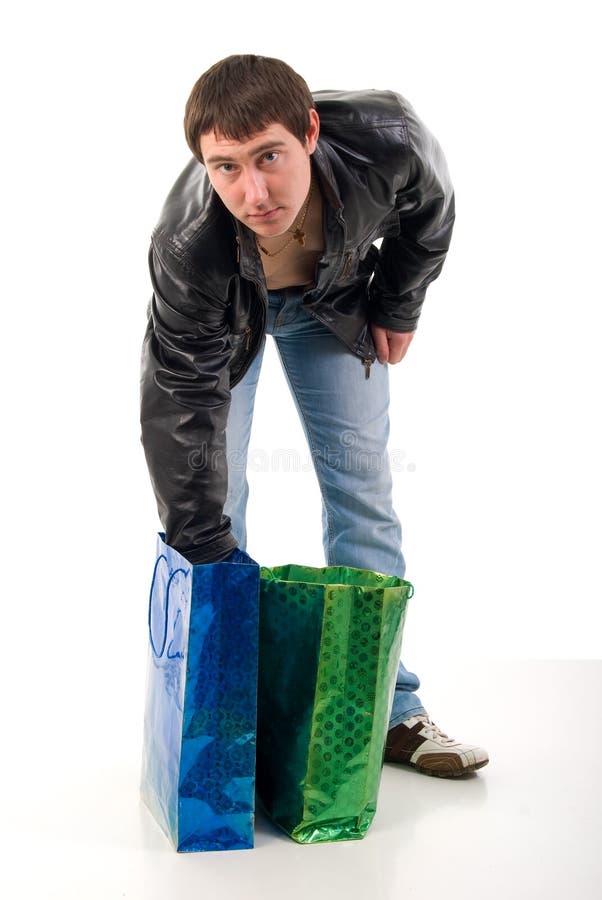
(434, 732)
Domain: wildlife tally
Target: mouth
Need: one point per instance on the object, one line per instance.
(266, 216)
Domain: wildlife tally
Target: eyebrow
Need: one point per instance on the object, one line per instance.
(263, 148)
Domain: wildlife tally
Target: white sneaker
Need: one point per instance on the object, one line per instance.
(418, 742)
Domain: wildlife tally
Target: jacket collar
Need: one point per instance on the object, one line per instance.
(328, 184)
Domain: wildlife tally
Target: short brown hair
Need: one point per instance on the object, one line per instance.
(241, 95)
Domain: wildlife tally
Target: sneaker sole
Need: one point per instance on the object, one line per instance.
(448, 767)
(449, 772)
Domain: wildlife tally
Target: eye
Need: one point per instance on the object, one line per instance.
(270, 156)
(226, 168)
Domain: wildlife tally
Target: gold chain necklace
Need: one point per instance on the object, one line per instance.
(298, 233)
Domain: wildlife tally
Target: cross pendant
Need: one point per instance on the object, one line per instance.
(299, 236)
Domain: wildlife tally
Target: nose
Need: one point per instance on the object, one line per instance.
(256, 191)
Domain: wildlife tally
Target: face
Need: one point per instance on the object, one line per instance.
(263, 181)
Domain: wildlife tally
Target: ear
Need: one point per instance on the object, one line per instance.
(311, 138)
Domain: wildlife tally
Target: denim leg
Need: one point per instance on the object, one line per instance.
(405, 701)
(345, 419)
(238, 433)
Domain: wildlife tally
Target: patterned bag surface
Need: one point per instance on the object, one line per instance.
(198, 769)
(330, 641)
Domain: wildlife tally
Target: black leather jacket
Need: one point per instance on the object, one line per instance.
(382, 175)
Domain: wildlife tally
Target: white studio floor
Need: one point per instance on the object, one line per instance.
(529, 825)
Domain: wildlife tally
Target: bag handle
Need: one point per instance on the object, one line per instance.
(172, 575)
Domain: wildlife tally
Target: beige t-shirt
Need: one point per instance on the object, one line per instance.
(296, 265)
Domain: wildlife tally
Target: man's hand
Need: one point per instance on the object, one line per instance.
(391, 346)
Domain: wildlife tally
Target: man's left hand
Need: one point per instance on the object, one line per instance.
(391, 346)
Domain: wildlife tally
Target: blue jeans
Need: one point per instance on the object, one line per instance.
(346, 423)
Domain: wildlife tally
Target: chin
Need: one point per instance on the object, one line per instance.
(273, 231)
(275, 227)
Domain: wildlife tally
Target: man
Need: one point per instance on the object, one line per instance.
(270, 229)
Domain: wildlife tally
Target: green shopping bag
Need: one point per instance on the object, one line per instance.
(329, 647)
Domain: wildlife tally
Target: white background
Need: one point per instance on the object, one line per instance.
(496, 407)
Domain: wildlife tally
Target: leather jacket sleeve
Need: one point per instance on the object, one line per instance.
(413, 257)
(185, 397)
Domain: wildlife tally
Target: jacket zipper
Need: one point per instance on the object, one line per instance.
(366, 361)
(346, 265)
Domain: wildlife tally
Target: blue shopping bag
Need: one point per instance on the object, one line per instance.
(198, 768)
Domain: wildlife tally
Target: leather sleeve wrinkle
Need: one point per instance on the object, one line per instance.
(185, 399)
(182, 325)
(413, 257)
(186, 296)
